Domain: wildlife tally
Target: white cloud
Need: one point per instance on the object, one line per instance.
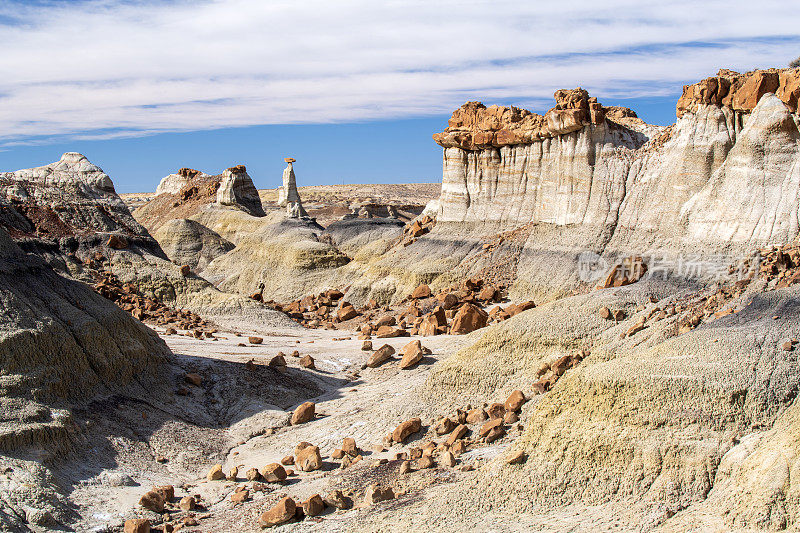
(138, 68)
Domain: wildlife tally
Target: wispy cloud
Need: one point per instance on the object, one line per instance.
(112, 68)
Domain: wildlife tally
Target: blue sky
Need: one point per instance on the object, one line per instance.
(352, 88)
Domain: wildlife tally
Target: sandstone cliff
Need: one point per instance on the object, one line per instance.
(580, 166)
(586, 177)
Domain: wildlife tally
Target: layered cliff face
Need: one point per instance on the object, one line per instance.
(512, 167)
(741, 92)
(723, 178)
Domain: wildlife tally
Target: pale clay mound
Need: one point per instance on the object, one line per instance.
(661, 426)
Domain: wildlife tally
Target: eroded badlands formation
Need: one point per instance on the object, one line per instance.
(593, 326)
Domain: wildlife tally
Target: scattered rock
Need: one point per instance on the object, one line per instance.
(412, 354)
(426, 461)
(338, 500)
(167, 492)
(366, 346)
(495, 433)
(405, 467)
(375, 494)
(380, 356)
(388, 332)
(278, 362)
(307, 362)
(303, 413)
(458, 447)
(469, 318)
(448, 460)
(515, 309)
(406, 429)
(232, 474)
(490, 425)
(252, 474)
(629, 270)
(309, 459)
(255, 340)
(281, 513)
(349, 446)
(288, 460)
(515, 401)
(457, 433)
(273, 473)
(517, 458)
(386, 320)
(152, 501)
(215, 473)
(301, 446)
(444, 426)
(137, 525)
(488, 293)
(476, 416)
(193, 379)
(240, 496)
(496, 410)
(422, 291)
(346, 312)
(187, 503)
(314, 506)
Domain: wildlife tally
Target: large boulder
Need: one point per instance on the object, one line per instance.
(469, 318)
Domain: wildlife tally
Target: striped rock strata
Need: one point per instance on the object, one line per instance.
(512, 167)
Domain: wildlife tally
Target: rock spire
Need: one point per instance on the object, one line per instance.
(288, 196)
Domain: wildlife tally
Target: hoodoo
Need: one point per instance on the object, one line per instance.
(288, 196)
(236, 188)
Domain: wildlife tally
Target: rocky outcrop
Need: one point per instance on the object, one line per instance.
(616, 186)
(741, 92)
(189, 192)
(294, 247)
(67, 208)
(237, 189)
(288, 196)
(522, 208)
(474, 126)
(68, 214)
(173, 183)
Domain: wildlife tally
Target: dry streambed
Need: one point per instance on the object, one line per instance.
(344, 437)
